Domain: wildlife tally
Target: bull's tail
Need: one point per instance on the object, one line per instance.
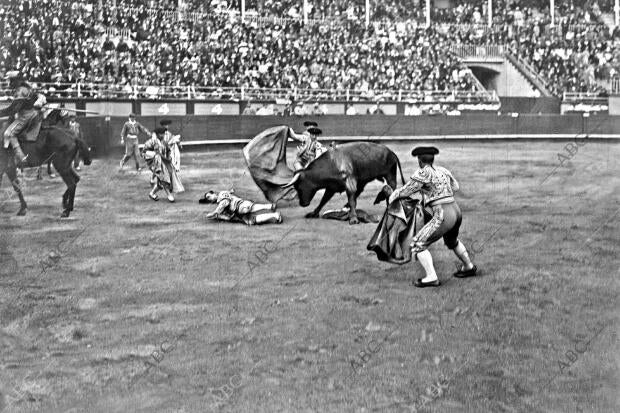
(84, 151)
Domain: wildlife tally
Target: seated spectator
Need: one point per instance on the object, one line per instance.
(266, 110)
(375, 110)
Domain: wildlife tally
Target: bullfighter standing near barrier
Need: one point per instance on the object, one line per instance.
(129, 137)
(310, 148)
(437, 186)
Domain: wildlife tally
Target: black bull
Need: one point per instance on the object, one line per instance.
(348, 167)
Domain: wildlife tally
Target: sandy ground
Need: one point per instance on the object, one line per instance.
(136, 306)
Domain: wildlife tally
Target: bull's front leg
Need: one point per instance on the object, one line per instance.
(351, 188)
(326, 197)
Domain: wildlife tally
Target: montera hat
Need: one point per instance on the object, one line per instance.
(424, 150)
(310, 123)
(165, 122)
(315, 131)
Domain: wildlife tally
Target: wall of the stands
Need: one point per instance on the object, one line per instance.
(103, 133)
(218, 108)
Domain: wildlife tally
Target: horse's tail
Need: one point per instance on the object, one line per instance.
(84, 151)
(400, 168)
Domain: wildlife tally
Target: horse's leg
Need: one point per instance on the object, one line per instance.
(39, 175)
(49, 169)
(67, 176)
(76, 179)
(11, 172)
(76, 176)
(65, 197)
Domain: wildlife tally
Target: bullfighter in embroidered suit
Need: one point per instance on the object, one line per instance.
(174, 143)
(232, 208)
(437, 186)
(310, 148)
(157, 155)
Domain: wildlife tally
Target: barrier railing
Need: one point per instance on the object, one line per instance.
(113, 91)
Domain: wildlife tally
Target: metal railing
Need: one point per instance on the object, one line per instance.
(581, 27)
(584, 97)
(116, 31)
(479, 51)
(197, 15)
(615, 85)
(464, 27)
(114, 91)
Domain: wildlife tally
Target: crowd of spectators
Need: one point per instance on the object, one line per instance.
(55, 44)
(187, 45)
(571, 59)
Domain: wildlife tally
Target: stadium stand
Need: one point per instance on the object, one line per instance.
(201, 49)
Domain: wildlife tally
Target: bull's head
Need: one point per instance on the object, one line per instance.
(305, 188)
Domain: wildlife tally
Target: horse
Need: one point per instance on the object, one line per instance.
(50, 173)
(56, 144)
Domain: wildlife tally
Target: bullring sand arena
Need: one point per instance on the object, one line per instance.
(97, 317)
(168, 243)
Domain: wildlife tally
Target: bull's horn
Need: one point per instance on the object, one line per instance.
(295, 178)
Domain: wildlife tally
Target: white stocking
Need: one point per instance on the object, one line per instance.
(261, 207)
(268, 218)
(155, 189)
(426, 259)
(461, 252)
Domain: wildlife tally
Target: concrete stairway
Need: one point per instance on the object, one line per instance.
(529, 73)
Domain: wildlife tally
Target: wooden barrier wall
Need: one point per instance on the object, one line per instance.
(103, 133)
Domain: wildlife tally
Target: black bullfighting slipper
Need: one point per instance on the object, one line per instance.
(154, 197)
(420, 284)
(466, 273)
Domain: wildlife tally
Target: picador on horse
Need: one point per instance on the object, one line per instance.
(25, 109)
(33, 137)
